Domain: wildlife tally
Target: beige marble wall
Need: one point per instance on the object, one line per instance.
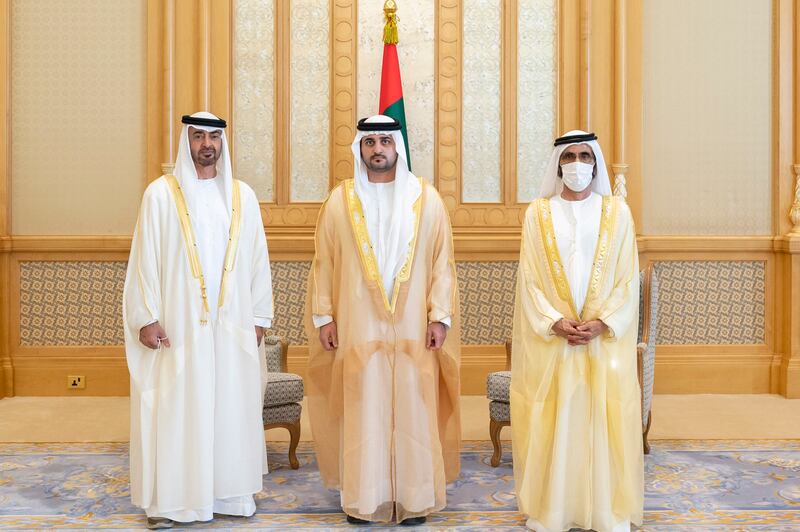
(310, 95)
(707, 138)
(77, 116)
(254, 95)
(536, 93)
(481, 117)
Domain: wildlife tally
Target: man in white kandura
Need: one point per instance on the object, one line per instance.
(575, 410)
(198, 296)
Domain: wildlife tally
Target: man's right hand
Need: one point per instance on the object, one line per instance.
(328, 336)
(152, 335)
(568, 330)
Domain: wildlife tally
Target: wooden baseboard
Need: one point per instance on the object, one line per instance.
(679, 370)
(47, 375)
(740, 369)
(789, 378)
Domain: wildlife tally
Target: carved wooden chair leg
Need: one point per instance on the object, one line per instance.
(294, 439)
(645, 443)
(494, 433)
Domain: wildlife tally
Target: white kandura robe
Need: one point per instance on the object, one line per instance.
(197, 439)
(577, 226)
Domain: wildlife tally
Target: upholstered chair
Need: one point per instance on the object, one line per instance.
(498, 387)
(498, 384)
(646, 349)
(283, 395)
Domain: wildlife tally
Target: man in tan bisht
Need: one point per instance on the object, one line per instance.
(382, 324)
(575, 410)
(198, 296)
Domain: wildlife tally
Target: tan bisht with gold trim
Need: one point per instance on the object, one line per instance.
(384, 409)
(575, 408)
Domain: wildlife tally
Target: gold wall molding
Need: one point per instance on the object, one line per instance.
(508, 101)
(620, 182)
(290, 233)
(447, 158)
(6, 367)
(283, 119)
(786, 179)
(707, 245)
(794, 211)
(5, 118)
(343, 40)
(785, 122)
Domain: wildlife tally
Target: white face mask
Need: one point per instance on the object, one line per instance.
(577, 176)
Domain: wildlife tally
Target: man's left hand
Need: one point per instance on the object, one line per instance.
(590, 330)
(434, 337)
(259, 334)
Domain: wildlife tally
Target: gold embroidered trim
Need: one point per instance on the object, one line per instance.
(367, 253)
(233, 239)
(557, 272)
(607, 217)
(548, 235)
(190, 241)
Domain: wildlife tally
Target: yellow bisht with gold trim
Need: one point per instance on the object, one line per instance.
(575, 409)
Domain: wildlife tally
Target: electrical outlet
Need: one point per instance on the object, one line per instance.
(76, 382)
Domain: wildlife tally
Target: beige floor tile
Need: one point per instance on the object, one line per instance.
(75, 419)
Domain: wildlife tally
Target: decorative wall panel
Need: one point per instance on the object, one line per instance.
(480, 137)
(310, 94)
(289, 281)
(416, 54)
(536, 97)
(254, 95)
(487, 301)
(711, 302)
(71, 303)
(707, 141)
(77, 115)
(486, 290)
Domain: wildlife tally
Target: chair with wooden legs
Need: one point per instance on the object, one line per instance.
(283, 396)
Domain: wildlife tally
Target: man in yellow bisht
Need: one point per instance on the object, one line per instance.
(382, 324)
(575, 411)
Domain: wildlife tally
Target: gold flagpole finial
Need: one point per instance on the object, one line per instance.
(390, 16)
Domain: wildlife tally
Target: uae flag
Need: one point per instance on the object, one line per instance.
(391, 102)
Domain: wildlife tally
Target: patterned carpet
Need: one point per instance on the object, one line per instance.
(690, 486)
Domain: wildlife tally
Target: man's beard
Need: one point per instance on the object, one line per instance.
(381, 167)
(205, 161)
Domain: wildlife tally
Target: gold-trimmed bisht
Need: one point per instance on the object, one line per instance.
(367, 253)
(190, 241)
(557, 272)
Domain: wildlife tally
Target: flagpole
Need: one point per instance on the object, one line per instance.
(391, 94)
